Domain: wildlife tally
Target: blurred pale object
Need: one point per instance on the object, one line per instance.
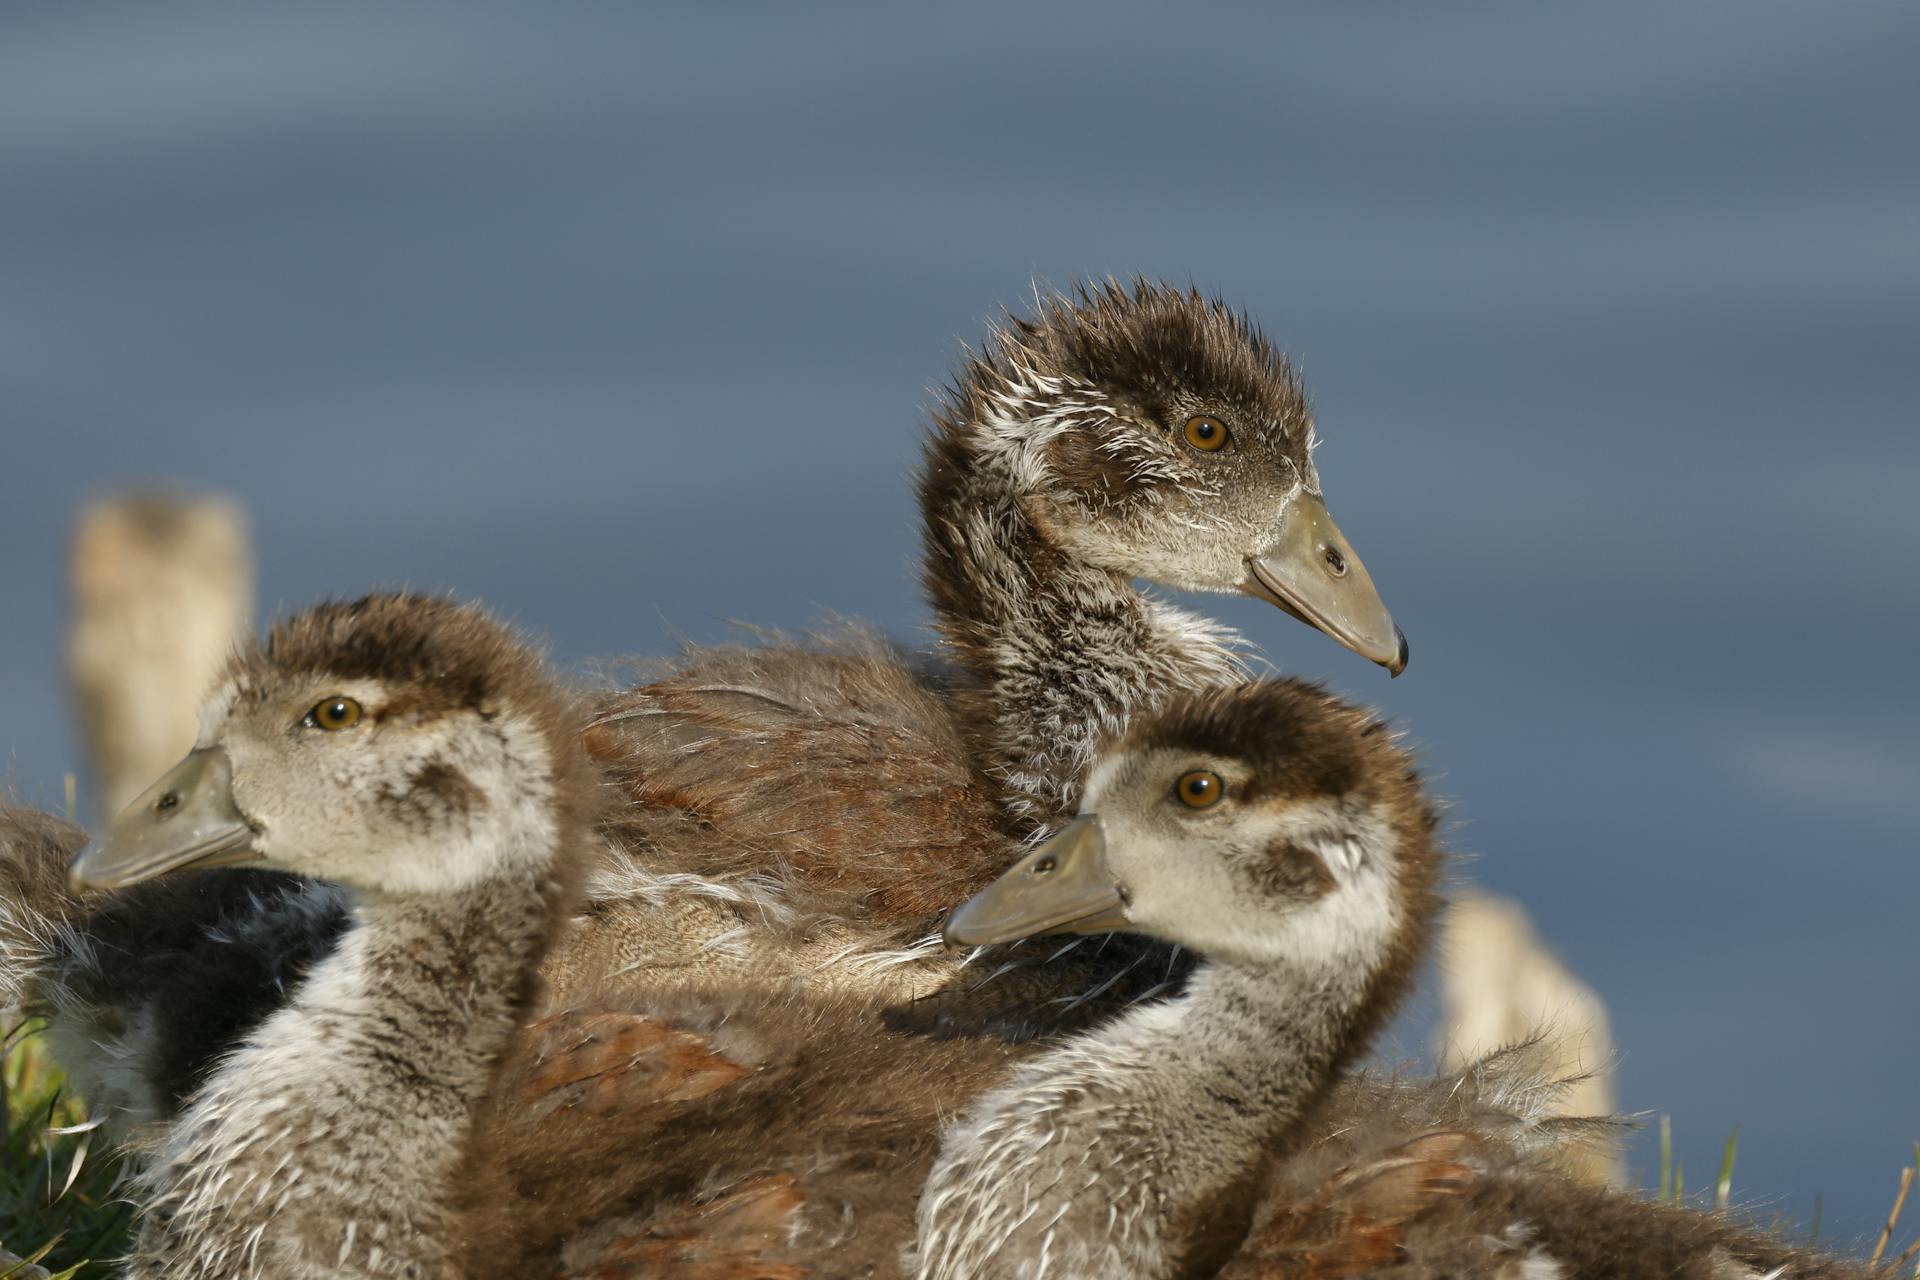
(14, 1267)
(162, 588)
(1501, 985)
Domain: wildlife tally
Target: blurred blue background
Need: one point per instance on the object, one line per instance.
(624, 319)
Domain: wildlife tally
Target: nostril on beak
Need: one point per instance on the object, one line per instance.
(167, 803)
(1336, 563)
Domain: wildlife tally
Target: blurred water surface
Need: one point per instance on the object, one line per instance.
(623, 317)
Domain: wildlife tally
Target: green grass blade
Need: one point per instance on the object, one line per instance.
(1724, 1188)
(60, 1199)
(1666, 1157)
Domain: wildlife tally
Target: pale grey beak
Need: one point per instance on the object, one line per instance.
(187, 819)
(1311, 571)
(1063, 886)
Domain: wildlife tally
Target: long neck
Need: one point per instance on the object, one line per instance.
(1059, 652)
(326, 1143)
(1111, 1154)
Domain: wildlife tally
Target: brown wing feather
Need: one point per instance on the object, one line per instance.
(1358, 1219)
(643, 1129)
(1469, 1175)
(840, 769)
(598, 1060)
(734, 1236)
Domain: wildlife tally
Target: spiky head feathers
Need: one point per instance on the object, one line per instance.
(1141, 428)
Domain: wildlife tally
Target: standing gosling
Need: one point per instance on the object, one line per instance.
(1282, 836)
(415, 752)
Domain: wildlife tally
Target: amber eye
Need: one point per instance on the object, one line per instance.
(1208, 435)
(1199, 788)
(334, 713)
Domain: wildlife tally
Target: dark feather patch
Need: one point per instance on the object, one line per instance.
(448, 789)
(206, 956)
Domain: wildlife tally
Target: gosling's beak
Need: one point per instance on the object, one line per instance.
(187, 819)
(1312, 573)
(1061, 887)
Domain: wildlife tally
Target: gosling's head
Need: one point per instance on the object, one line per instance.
(1271, 823)
(1156, 433)
(398, 743)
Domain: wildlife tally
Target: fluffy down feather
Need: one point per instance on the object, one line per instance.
(1467, 1174)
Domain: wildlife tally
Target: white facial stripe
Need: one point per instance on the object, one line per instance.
(1099, 780)
(1311, 479)
(1028, 414)
(216, 709)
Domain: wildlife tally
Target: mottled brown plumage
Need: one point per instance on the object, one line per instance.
(634, 1139)
(1486, 1214)
(1475, 1174)
(727, 1129)
(808, 812)
(745, 1129)
(823, 805)
(835, 768)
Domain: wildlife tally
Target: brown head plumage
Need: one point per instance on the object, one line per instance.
(1144, 429)
(440, 654)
